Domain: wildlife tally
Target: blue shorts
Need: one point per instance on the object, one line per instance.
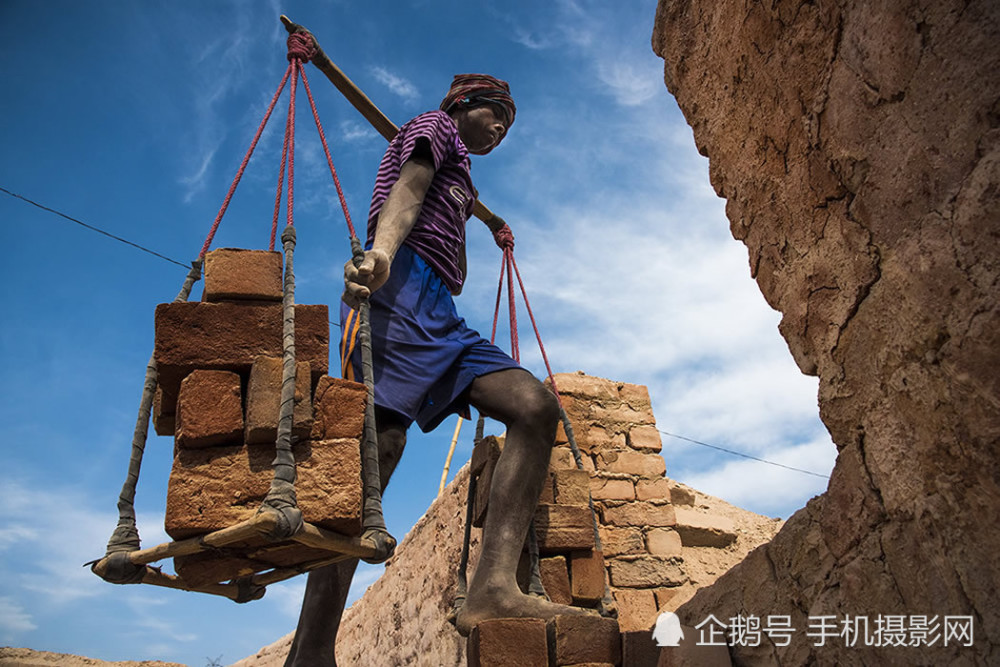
(424, 355)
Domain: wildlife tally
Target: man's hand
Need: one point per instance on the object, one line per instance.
(361, 281)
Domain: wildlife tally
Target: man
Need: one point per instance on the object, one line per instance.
(428, 363)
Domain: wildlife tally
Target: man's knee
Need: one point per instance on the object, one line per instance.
(541, 408)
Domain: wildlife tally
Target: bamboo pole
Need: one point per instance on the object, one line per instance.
(451, 452)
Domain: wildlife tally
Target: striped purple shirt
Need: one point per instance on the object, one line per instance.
(439, 232)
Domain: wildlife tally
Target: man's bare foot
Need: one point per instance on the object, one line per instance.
(503, 604)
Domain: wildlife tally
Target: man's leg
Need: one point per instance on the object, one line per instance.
(327, 588)
(530, 412)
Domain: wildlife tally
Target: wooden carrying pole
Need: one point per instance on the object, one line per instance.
(363, 104)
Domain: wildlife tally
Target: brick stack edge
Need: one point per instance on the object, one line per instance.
(640, 558)
(219, 394)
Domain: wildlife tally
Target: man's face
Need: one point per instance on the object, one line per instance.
(481, 128)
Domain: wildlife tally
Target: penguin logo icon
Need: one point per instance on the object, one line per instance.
(667, 631)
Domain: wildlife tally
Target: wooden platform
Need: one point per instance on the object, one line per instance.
(243, 543)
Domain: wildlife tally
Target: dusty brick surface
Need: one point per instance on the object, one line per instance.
(586, 576)
(638, 514)
(581, 639)
(646, 438)
(548, 494)
(229, 336)
(586, 386)
(508, 642)
(239, 274)
(616, 541)
(602, 488)
(572, 487)
(663, 542)
(564, 528)
(652, 489)
(635, 395)
(209, 410)
(636, 608)
(682, 495)
(485, 460)
(264, 401)
(214, 488)
(698, 529)
(555, 579)
(632, 463)
(562, 458)
(338, 409)
(646, 572)
(164, 412)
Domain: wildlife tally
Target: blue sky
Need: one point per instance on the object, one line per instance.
(134, 116)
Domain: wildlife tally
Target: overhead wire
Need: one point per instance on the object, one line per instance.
(94, 229)
(741, 454)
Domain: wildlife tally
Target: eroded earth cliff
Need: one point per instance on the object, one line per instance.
(858, 147)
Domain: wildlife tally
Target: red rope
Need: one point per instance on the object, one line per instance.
(296, 66)
(538, 336)
(329, 159)
(512, 306)
(243, 166)
(496, 310)
(277, 196)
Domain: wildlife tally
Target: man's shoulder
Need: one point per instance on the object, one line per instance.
(436, 121)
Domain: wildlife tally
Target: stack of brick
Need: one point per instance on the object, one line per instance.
(642, 529)
(220, 372)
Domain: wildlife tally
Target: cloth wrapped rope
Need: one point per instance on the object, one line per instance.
(472, 90)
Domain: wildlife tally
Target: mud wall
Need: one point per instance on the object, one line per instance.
(858, 148)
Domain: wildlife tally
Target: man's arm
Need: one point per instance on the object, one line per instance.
(396, 219)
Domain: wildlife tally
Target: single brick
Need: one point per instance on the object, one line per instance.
(639, 514)
(338, 409)
(486, 452)
(164, 412)
(639, 649)
(586, 576)
(486, 461)
(635, 395)
(214, 488)
(564, 528)
(621, 416)
(229, 336)
(572, 487)
(239, 274)
(636, 608)
(579, 639)
(704, 530)
(508, 642)
(562, 459)
(645, 438)
(209, 410)
(555, 579)
(665, 598)
(264, 401)
(663, 542)
(602, 488)
(646, 572)
(586, 386)
(621, 541)
(652, 489)
(681, 495)
(632, 463)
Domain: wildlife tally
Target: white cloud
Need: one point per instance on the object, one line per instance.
(397, 84)
(769, 489)
(352, 130)
(632, 82)
(14, 620)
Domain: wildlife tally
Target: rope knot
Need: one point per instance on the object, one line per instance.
(301, 47)
(504, 237)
